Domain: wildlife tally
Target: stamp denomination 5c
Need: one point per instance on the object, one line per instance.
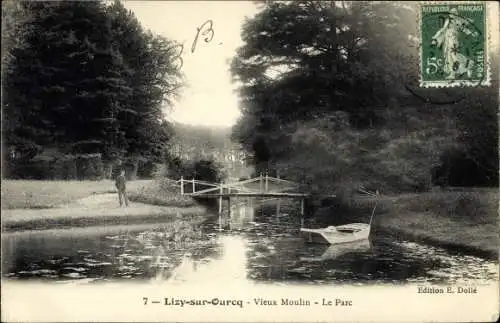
(454, 44)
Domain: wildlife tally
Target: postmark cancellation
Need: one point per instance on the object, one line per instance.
(454, 44)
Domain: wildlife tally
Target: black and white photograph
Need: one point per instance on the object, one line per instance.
(250, 161)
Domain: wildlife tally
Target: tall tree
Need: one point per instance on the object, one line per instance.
(62, 84)
(153, 77)
(305, 62)
(85, 77)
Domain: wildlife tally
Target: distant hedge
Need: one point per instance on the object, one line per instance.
(58, 167)
(53, 165)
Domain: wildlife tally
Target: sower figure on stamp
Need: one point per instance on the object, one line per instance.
(455, 63)
(120, 184)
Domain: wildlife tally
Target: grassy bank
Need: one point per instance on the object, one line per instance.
(61, 218)
(161, 193)
(461, 220)
(30, 205)
(30, 194)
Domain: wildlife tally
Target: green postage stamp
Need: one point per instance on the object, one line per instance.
(454, 44)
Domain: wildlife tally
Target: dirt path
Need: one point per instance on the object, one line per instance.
(99, 201)
(96, 209)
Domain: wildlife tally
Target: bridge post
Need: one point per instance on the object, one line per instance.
(267, 180)
(220, 199)
(278, 207)
(260, 182)
(194, 187)
(301, 212)
(229, 208)
(182, 185)
(221, 190)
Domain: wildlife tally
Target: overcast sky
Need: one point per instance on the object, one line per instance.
(209, 98)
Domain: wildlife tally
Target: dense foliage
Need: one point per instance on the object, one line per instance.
(330, 97)
(83, 78)
(201, 169)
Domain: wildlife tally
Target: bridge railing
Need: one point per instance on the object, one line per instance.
(264, 182)
(194, 182)
(220, 186)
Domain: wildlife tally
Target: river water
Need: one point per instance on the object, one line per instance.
(254, 246)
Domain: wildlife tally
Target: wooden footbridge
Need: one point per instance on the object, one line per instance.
(262, 186)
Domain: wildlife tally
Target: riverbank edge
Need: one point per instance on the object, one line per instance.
(167, 214)
(442, 224)
(402, 234)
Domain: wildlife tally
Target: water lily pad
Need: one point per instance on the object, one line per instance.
(74, 275)
(98, 264)
(77, 269)
(90, 260)
(50, 276)
(127, 268)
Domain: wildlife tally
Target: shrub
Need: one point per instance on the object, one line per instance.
(89, 166)
(208, 170)
(29, 170)
(146, 169)
(161, 192)
(53, 165)
(175, 167)
(64, 167)
(201, 169)
(160, 171)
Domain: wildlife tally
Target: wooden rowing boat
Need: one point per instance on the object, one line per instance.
(339, 234)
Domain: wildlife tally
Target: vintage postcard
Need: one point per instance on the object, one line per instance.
(250, 161)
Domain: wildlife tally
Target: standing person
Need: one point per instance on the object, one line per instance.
(120, 185)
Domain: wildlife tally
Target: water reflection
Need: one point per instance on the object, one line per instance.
(257, 247)
(230, 267)
(241, 215)
(328, 252)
